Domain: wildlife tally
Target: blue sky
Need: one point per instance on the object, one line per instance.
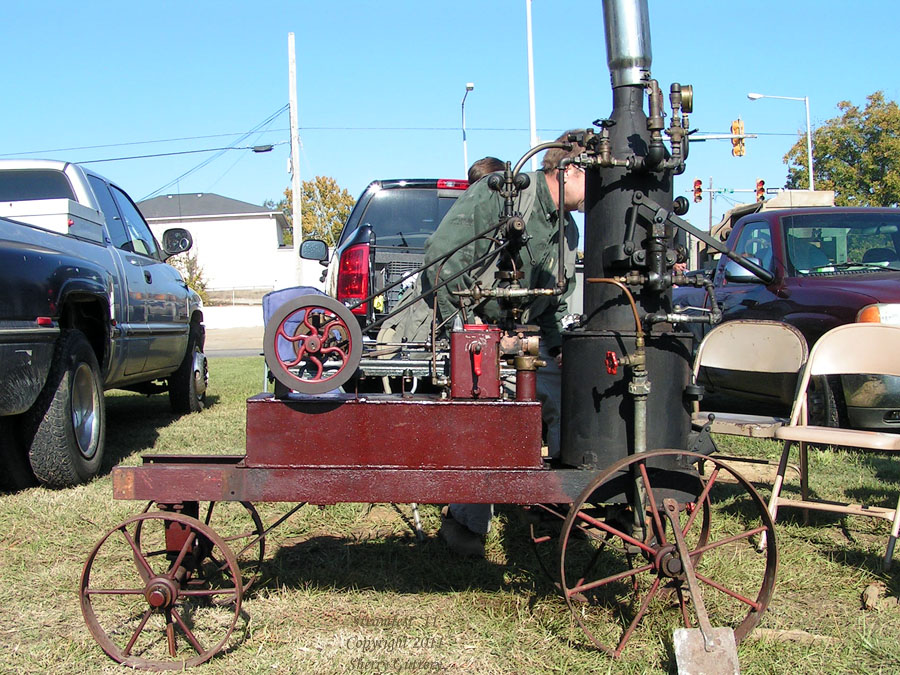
(380, 84)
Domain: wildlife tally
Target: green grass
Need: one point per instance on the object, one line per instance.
(348, 589)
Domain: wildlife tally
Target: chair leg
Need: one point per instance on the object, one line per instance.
(776, 489)
(804, 478)
(892, 540)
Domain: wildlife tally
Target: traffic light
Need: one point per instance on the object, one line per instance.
(737, 137)
(698, 190)
(760, 190)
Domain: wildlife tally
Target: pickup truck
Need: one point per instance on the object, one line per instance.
(89, 304)
(383, 240)
(832, 265)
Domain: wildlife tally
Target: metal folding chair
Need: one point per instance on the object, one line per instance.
(858, 348)
(748, 346)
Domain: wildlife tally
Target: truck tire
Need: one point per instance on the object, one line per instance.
(187, 385)
(65, 429)
(15, 471)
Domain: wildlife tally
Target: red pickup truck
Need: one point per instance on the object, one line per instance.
(831, 265)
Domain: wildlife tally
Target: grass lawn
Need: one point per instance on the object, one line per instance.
(348, 588)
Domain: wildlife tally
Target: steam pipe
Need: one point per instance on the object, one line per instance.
(628, 51)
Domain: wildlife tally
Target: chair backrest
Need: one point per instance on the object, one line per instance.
(851, 349)
(751, 345)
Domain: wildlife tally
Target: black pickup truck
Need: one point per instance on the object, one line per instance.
(88, 304)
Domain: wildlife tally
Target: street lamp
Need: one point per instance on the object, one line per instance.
(809, 153)
(469, 87)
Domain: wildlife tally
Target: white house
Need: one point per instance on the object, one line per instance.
(239, 246)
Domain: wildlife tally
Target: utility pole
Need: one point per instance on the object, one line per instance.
(532, 115)
(295, 150)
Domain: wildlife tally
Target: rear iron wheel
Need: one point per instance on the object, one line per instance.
(620, 570)
(161, 591)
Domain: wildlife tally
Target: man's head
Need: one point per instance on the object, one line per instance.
(574, 174)
(483, 167)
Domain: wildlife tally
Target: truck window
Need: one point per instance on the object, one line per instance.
(405, 218)
(114, 224)
(23, 185)
(755, 241)
(142, 240)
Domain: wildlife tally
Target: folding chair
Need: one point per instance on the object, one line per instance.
(857, 348)
(748, 346)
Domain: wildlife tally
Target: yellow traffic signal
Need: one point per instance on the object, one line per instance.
(698, 190)
(737, 138)
(760, 190)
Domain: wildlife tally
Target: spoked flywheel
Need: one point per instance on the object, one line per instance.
(313, 344)
(620, 564)
(161, 591)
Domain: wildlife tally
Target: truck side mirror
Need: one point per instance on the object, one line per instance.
(177, 240)
(739, 275)
(314, 249)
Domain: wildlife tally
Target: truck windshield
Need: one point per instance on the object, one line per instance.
(22, 185)
(405, 218)
(841, 242)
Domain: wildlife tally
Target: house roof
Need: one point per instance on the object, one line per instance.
(193, 205)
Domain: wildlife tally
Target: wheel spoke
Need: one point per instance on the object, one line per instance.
(613, 531)
(642, 466)
(719, 587)
(137, 632)
(640, 615)
(114, 591)
(188, 543)
(195, 643)
(138, 556)
(207, 592)
(728, 540)
(170, 634)
(608, 580)
(698, 503)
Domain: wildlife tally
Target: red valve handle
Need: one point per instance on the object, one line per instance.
(612, 363)
(476, 365)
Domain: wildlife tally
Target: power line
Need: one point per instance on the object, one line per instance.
(219, 153)
(255, 148)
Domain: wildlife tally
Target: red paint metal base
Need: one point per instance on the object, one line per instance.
(376, 431)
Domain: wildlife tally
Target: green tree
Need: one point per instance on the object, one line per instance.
(856, 154)
(324, 209)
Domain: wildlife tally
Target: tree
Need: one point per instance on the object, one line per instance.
(856, 154)
(323, 210)
(191, 272)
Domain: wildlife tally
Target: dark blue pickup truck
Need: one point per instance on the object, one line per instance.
(88, 304)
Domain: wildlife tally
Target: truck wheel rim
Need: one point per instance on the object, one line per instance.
(85, 403)
(200, 375)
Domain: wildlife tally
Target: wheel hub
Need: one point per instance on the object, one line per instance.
(668, 562)
(161, 592)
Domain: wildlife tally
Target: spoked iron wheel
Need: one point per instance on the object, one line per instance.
(167, 599)
(239, 525)
(313, 344)
(620, 571)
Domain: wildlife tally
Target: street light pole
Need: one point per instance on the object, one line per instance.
(469, 87)
(809, 153)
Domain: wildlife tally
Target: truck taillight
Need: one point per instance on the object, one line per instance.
(353, 277)
(450, 184)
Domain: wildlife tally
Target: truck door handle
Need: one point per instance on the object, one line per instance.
(148, 277)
